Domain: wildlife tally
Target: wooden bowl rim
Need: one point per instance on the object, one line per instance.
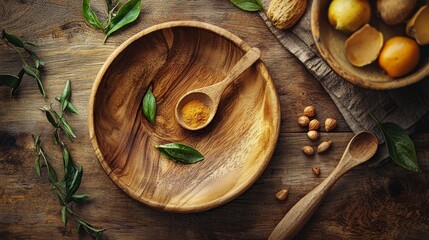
(231, 194)
(324, 51)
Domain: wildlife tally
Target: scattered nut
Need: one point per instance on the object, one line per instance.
(309, 111)
(316, 171)
(330, 124)
(303, 121)
(285, 13)
(282, 194)
(313, 135)
(324, 146)
(308, 150)
(314, 124)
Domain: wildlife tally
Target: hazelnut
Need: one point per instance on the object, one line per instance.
(330, 124)
(282, 194)
(314, 124)
(313, 135)
(316, 171)
(308, 150)
(309, 111)
(324, 146)
(303, 121)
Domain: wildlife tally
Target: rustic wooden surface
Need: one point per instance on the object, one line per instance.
(383, 202)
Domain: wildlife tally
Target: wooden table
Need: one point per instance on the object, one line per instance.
(383, 202)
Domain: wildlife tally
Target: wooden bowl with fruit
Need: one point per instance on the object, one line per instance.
(381, 44)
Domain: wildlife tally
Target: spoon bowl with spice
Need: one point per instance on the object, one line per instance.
(196, 109)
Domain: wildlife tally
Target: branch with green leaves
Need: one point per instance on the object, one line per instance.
(13, 81)
(65, 189)
(117, 17)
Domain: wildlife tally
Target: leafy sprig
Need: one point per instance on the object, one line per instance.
(67, 187)
(400, 146)
(13, 81)
(117, 17)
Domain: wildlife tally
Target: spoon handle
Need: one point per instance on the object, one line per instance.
(242, 65)
(301, 212)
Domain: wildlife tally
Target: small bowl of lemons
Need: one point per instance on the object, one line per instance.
(381, 44)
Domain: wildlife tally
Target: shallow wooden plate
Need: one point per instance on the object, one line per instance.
(176, 57)
(330, 43)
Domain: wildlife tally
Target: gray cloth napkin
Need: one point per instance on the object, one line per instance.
(406, 106)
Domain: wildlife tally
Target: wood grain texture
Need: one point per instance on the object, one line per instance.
(330, 43)
(383, 202)
(175, 58)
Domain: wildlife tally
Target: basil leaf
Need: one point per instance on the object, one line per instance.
(67, 129)
(180, 152)
(149, 106)
(65, 95)
(37, 165)
(248, 5)
(90, 15)
(8, 80)
(33, 72)
(126, 14)
(12, 39)
(64, 214)
(70, 107)
(401, 147)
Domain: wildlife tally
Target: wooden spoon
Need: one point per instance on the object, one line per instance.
(210, 95)
(360, 149)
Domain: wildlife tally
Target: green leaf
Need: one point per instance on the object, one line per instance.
(248, 5)
(60, 200)
(18, 83)
(33, 72)
(70, 107)
(31, 44)
(8, 80)
(12, 39)
(64, 125)
(66, 160)
(80, 197)
(80, 229)
(37, 143)
(95, 232)
(90, 15)
(149, 106)
(37, 165)
(50, 118)
(401, 147)
(36, 59)
(128, 13)
(65, 96)
(75, 184)
(64, 214)
(52, 175)
(180, 152)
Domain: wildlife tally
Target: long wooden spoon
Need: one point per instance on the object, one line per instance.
(360, 149)
(210, 95)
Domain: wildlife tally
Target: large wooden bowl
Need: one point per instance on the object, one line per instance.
(174, 58)
(330, 43)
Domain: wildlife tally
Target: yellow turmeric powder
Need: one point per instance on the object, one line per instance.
(195, 113)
